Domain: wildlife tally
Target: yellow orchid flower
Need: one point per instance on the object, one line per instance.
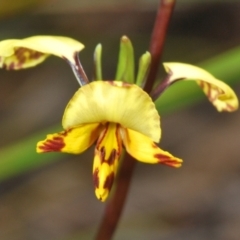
(113, 114)
(219, 93)
(28, 52)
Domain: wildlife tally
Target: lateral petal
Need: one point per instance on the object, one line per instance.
(107, 152)
(145, 150)
(28, 52)
(218, 92)
(74, 140)
(114, 101)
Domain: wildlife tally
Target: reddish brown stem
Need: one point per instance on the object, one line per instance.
(158, 38)
(116, 203)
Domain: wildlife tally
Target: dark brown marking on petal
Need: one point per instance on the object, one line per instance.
(24, 54)
(102, 154)
(119, 141)
(96, 178)
(104, 134)
(53, 145)
(109, 181)
(115, 153)
(35, 55)
(163, 159)
(110, 160)
(210, 90)
(95, 132)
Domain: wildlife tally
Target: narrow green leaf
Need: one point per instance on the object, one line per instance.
(21, 157)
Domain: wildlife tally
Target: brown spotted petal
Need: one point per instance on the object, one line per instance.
(107, 152)
(74, 140)
(28, 52)
(218, 92)
(145, 150)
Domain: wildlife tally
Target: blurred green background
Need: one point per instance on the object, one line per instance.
(51, 196)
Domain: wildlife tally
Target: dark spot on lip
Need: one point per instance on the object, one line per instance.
(109, 181)
(96, 178)
(111, 158)
(163, 159)
(53, 145)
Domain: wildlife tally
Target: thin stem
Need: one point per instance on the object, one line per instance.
(158, 38)
(116, 203)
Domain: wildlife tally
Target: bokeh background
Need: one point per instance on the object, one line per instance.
(53, 199)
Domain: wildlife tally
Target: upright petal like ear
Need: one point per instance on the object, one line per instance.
(218, 92)
(28, 52)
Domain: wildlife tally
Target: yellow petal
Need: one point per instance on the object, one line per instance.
(218, 92)
(118, 102)
(107, 152)
(145, 150)
(74, 140)
(28, 52)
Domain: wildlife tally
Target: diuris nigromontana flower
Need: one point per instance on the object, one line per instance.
(113, 114)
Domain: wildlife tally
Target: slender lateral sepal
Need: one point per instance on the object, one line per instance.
(98, 62)
(125, 68)
(144, 64)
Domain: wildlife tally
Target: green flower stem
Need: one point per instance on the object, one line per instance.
(116, 203)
